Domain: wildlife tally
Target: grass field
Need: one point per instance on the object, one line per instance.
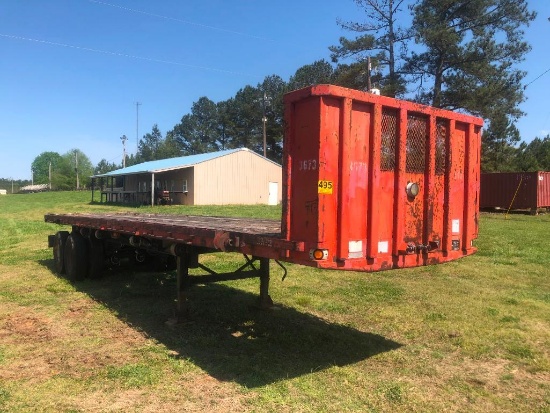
(472, 335)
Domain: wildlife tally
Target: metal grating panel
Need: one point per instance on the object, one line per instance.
(417, 134)
(442, 129)
(389, 139)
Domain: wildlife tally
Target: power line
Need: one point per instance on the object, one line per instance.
(538, 77)
(205, 26)
(149, 59)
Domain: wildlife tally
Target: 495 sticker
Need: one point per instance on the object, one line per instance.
(325, 187)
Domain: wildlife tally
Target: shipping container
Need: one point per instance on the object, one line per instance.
(515, 190)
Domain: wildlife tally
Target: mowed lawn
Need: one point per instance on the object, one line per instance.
(472, 335)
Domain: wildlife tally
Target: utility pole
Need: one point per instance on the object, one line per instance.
(369, 84)
(76, 168)
(137, 126)
(123, 138)
(266, 101)
(50, 175)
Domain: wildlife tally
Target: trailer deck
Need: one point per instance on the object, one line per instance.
(247, 235)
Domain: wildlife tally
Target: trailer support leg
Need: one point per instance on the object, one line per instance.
(264, 302)
(182, 306)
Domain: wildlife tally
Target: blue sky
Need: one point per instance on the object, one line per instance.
(71, 71)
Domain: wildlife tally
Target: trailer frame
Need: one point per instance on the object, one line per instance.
(96, 240)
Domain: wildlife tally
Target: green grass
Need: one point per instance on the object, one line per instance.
(469, 335)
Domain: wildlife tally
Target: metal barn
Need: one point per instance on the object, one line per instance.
(235, 176)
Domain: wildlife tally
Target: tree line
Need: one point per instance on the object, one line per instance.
(459, 55)
(12, 186)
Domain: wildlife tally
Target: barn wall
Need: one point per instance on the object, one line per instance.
(174, 182)
(239, 178)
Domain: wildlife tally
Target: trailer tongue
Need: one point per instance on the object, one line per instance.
(370, 183)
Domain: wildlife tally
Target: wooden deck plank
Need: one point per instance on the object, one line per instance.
(181, 223)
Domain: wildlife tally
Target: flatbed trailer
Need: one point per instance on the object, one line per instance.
(370, 183)
(101, 240)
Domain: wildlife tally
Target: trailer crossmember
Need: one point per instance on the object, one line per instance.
(186, 261)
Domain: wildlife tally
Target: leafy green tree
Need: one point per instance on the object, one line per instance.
(197, 132)
(381, 39)
(76, 170)
(470, 46)
(149, 146)
(131, 159)
(245, 112)
(464, 57)
(471, 49)
(44, 165)
(105, 166)
(318, 72)
(61, 173)
(13, 185)
(534, 156)
(353, 76)
(498, 145)
(272, 105)
(224, 124)
(169, 147)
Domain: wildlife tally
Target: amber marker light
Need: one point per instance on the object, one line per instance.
(318, 254)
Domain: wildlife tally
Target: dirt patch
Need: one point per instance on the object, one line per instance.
(37, 347)
(480, 385)
(79, 309)
(28, 336)
(196, 393)
(27, 326)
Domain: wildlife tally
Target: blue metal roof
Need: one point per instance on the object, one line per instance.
(162, 165)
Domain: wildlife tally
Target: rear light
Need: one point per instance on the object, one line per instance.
(412, 189)
(318, 254)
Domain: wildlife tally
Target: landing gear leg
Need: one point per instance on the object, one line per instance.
(182, 307)
(264, 302)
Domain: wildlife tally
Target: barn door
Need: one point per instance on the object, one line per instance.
(273, 193)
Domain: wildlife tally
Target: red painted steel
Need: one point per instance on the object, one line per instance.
(515, 190)
(349, 157)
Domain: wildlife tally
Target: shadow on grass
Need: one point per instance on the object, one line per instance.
(228, 339)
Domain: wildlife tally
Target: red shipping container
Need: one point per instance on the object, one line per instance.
(374, 183)
(515, 190)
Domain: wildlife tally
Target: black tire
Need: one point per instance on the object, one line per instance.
(171, 263)
(96, 258)
(59, 251)
(76, 257)
(163, 263)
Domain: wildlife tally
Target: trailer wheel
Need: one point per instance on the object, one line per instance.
(96, 257)
(171, 263)
(59, 251)
(76, 257)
